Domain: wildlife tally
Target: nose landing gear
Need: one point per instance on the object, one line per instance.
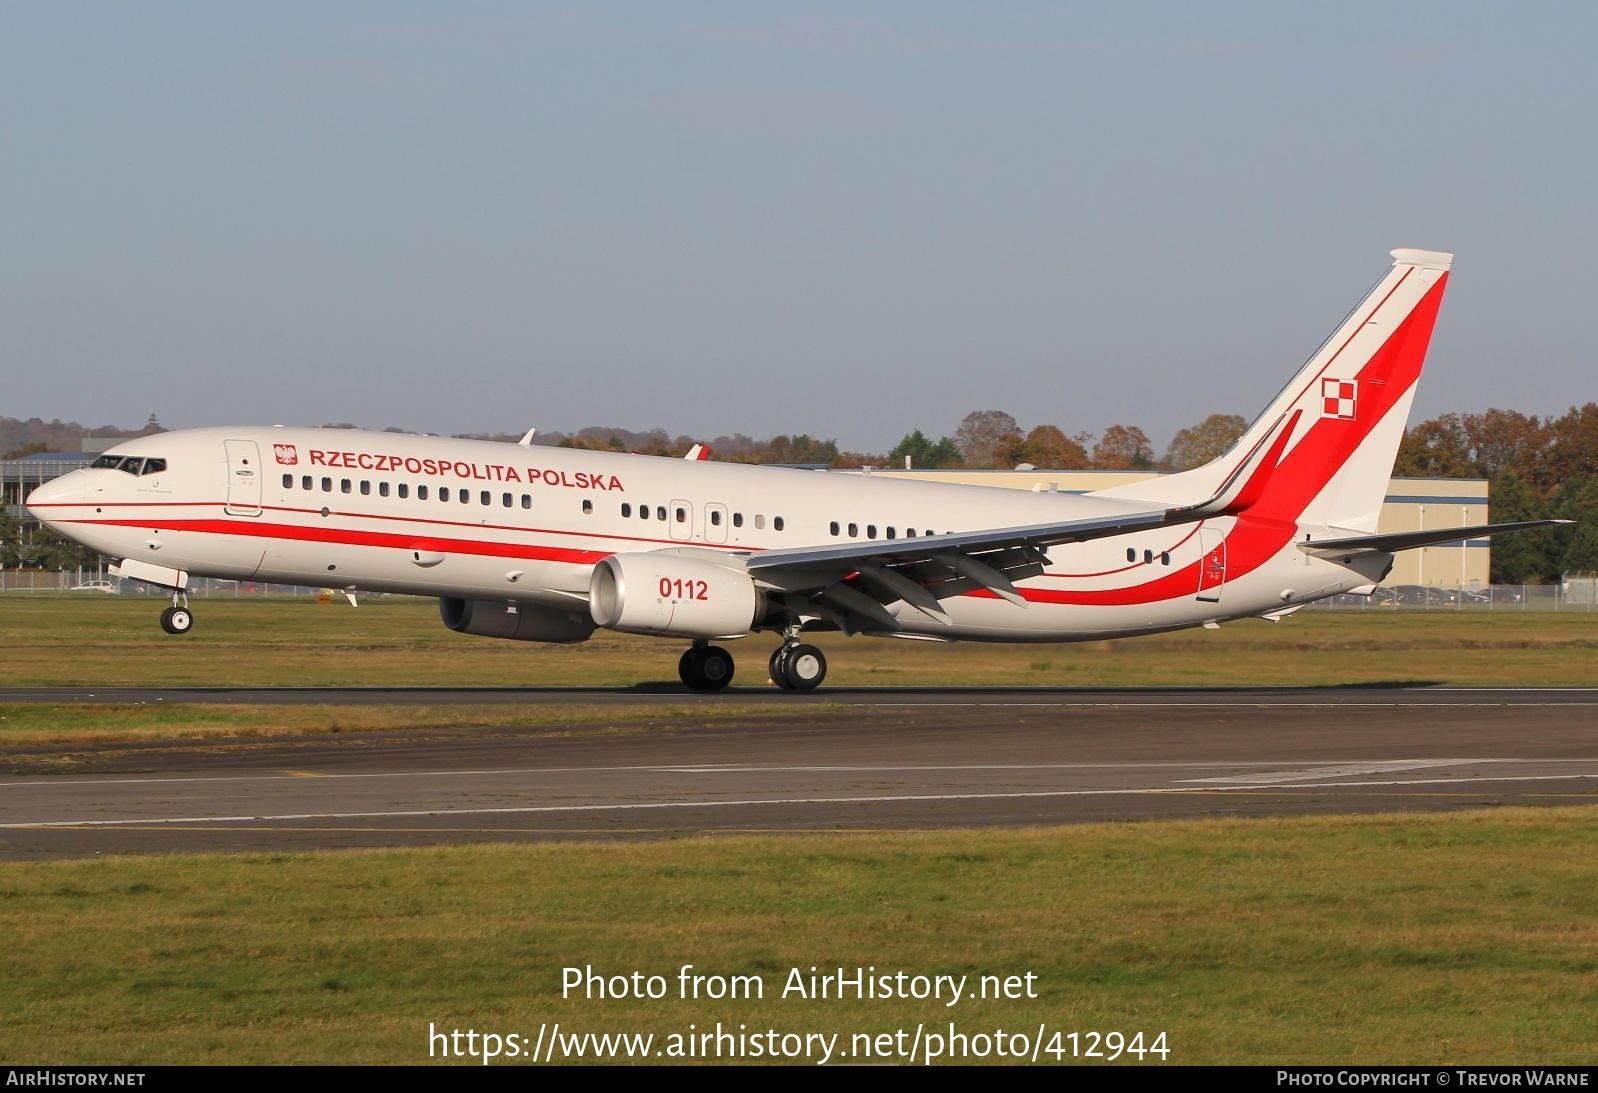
(177, 618)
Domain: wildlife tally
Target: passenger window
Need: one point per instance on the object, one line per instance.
(890, 533)
(366, 488)
(306, 483)
(421, 493)
(485, 498)
(1165, 557)
(871, 531)
(382, 489)
(344, 485)
(466, 496)
(776, 522)
(1131, 555)
(404, 489)
(527, 500)
(626, 509)
(715, 517)
(909, 533)
(660, 513)
(506, 500)
(854, 531)
(443, 493)
(1148, 557)
(327, 485)
(834, 527)
(682, 514)
(288, 481)
(737, 519)
(760, 520)
(643, 512)
(588, 507)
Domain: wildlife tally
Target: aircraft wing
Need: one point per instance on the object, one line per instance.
(1409, 540)
(852, 582)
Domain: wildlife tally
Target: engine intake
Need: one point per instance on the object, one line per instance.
(661, 592)
(519, 622)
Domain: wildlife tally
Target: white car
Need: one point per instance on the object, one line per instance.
(96, 586)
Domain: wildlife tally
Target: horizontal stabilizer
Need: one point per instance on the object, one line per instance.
(1409, 540)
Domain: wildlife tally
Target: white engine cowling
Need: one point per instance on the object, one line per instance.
(662, 592)
(526, 622)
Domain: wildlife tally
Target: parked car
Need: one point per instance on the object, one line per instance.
(96, 586)
(1422, 595)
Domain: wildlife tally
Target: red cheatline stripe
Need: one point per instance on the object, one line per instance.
(353, 537)
(472, 525)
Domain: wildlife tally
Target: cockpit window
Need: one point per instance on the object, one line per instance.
(132, 464)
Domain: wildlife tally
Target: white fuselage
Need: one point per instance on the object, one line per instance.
(494, 521)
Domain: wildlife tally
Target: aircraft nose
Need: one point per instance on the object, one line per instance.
(65, 490)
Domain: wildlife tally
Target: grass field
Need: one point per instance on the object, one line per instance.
(101, 640)
(1416, 939)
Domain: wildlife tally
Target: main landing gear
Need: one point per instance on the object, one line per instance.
(705, 667)
(177, 619)
(794, 666)
(798, 667)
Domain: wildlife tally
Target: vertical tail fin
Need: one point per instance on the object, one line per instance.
(1352, 399)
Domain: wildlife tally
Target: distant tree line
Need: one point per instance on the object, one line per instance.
(1537, 467)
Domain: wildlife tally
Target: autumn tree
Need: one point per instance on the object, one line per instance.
(1572, 450)
(1199, 444)
(987, 437)
(1501, 440)
(1123, 448)
(1439, 448)
(1047, 446)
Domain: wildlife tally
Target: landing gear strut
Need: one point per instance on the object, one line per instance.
(177, 619)
(798, 667)
(705, 667)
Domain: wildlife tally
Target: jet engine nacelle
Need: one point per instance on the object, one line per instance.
(664, 592)
(520, 622)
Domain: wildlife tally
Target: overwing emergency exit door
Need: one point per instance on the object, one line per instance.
(243, 478)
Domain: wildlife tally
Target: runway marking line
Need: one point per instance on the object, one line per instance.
(757, 802)
(712, 768)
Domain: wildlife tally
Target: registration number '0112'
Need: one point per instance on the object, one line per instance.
(677, 588)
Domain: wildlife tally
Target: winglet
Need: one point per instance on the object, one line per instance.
(698, 453)
(1245, 485)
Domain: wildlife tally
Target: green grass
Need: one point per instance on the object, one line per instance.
(114, 641)
(1470, 938)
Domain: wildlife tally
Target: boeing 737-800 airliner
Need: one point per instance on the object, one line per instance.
(546, 544)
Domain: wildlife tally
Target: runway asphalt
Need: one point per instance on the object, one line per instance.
(835, 760)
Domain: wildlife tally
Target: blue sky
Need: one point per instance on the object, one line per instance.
(848, 220)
